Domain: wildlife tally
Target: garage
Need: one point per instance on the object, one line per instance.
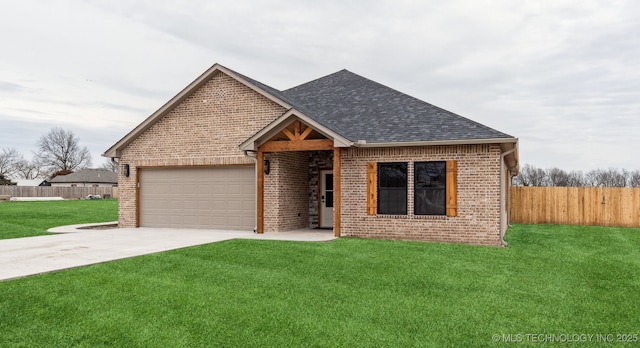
(201, 197)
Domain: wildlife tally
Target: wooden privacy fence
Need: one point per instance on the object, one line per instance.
(51, 191)
(594, 206)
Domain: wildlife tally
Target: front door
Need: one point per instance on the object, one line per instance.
(326, 199)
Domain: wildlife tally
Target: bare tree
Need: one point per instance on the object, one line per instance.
(530, 176)
(110, 165)
(9, 158)
(29, 169)
(634, 179)
(575, 179)
(591, 178)
(557, 177)
(607, 178)
(59, 150)
(615, 178)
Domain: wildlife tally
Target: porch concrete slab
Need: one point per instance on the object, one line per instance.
(21, 257)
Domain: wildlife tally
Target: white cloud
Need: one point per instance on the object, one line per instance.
(563, 76)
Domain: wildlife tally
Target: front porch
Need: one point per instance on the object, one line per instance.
(298, 180)
(298, 190)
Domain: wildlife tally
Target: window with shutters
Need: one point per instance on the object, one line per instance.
(392, 188)
(430, 184)
(435, 188)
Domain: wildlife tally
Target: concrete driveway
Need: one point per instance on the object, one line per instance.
(21, 257)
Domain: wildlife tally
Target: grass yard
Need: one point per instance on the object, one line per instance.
(27, 219)
(552, 280)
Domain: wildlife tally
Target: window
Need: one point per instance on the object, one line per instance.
(435, 188)
(392, 188)
(430, 185)
(328, 190)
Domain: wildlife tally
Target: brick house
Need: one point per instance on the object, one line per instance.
(87, 178)
(341, 152)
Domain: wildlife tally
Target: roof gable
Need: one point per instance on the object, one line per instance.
(266, 91)
(282, 122)
(364, 110)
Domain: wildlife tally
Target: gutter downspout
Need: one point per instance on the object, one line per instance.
(255, 159)
(502, 193)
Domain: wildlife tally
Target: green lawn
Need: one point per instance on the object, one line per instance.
(552, 280)
(26, 219)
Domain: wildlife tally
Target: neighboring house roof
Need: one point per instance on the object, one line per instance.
(30, 182)
(349, 108)
(88, 176)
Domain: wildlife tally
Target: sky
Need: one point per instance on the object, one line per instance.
(563, 76)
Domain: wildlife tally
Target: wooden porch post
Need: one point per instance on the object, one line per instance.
(260, 198)
(336, 191)
(137, 198)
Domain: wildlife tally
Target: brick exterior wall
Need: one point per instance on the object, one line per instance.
(207, 127)
(204, 130)
(478, 219)
(286, 192)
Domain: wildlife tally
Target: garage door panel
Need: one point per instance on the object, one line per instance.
(176, 220)
(205, 205)
(219, 220)
(173, 189)
(161, 219)
(219, 188)
(205, 220)
(248, 190)
(221, 206)
(213, 198)
(246, 205)
(175, 204)
(234, 221)
(190, 189)
(235, 188)
(234, 205)
(191, 204)
(205, 190)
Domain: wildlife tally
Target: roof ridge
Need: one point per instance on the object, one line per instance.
(271, 90)
(319, 78)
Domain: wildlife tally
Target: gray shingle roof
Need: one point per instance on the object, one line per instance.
(360, 109)
(274, 92)
(88, 176)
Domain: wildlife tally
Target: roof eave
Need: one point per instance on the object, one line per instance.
(115, 151)
(438, 142)
(506, 145)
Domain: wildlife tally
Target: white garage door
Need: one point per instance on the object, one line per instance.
(213, 198)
